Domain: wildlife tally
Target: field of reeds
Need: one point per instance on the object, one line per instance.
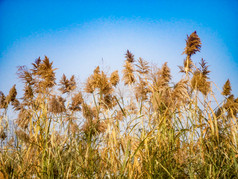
(134, 124)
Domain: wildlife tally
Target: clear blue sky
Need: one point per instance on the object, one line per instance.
(77, 35)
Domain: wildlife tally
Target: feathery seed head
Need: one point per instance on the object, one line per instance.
(128, 75)
(129, 56)
(143, 67)
(77, 99)
(193, 44)
(67, 85)
(56, 105)
(114, 78)
(12, 95)
(199, 82)
(227, 88)
(3, 104)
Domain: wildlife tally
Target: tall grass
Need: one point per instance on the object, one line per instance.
(139, 126)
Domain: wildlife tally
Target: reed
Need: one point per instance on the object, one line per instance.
(156, 129)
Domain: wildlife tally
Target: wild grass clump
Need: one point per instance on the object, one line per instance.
(154, 129)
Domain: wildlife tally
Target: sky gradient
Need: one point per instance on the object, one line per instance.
(79, 35)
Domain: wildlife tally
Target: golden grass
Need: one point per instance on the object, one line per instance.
(155, 129)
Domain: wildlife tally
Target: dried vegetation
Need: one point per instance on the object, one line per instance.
(155, 129)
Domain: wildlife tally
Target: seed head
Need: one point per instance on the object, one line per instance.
(12, 95)
(199, 82)
(143, 67)
(193, 44)
(77, 99)
(227, 88)
(114, 79)
(56, 105)
(129, 56)
(128, 75)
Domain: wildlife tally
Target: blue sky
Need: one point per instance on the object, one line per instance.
(79, 35)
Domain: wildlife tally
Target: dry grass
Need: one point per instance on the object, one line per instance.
(154, 130)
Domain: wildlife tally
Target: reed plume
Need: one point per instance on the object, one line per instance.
(23, 119)
(227, 88)
(193, 44)
(143, 67)
(128, 75)
(12, 95)
(204, 68)
(46, 72)
(67, 85)
(77, 100)
(87, 112)
(141, 90)
(129, 57)
(28, 93)
(199, 82)
(3, 104)
(114, 78)
(16, 105)
(25, 75)
(89, 85)
(56, 105)
(180, 93)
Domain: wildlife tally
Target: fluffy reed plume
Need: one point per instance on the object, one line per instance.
(87, 112)
(36, 65)
(161, 91)
(104, 84)
(227, 88)
(16, 105)
(100, 81)
(23, 119)
(67, 85)
(231, 106)
(141, 90)
(96, 77)
(12, 95)
(25, 75)
(56, 105)
(129, 56)
(46, 72)
(143, 67)
(161, 77)
(200, 78)
(89, 85)
(77, 100)
(108, 101)
(3, 104)
(200, 83)
(165, 75)
(128, 75)
(204, 68)
(114, 78)
(28, 93)
(193, 44)
(180, 93)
